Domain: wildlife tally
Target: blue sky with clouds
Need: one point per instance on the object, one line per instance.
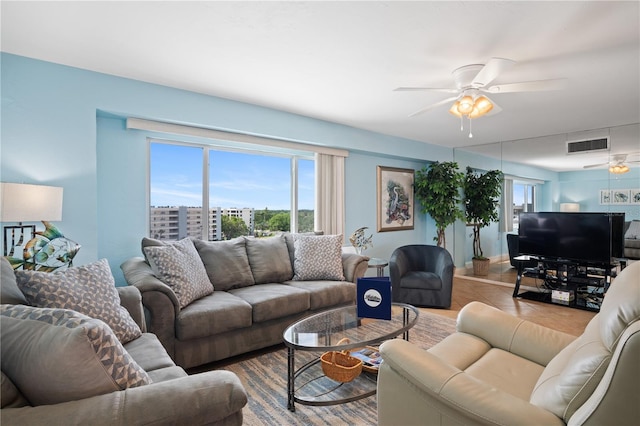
(237, 179)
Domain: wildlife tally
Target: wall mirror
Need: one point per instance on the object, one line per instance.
(542, 175)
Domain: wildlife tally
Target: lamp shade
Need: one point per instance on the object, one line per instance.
(569, 207)
(21, 202)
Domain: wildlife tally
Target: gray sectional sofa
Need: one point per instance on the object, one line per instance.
(259, 287)
(50, 376)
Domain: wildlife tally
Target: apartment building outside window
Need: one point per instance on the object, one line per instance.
(523, 200)
(205, 192)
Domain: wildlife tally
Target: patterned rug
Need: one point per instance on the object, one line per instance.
(265, 380)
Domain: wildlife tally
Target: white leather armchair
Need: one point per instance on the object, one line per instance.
(500, 370)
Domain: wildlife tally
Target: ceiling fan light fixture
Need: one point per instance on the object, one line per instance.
(454, 109)
(481, 106)
(618, 169)
(484, 105)
(465, 105)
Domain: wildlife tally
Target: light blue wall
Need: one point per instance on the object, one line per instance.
(584, 187)
(52, 135)
(64, 126)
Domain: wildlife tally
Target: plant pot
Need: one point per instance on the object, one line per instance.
(481, 267)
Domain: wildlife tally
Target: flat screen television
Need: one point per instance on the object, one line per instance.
(587, 237)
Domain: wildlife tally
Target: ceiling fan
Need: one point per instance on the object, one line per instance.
(471, 82)
(618, 164)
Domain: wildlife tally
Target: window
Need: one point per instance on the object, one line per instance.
(199, 190)
(523, 200)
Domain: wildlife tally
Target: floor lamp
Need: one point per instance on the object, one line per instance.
(26, 203)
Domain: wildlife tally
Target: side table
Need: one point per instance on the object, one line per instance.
(379, 264)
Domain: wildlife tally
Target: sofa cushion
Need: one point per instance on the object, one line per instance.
(633, 232)
(58, 355)
(269, 259)
(271, 301)
(88, 289)
(9, 292)
(213, 314)
(325, 294)
(149, 353)
(179, 266)
(226, 263)
(572, 375)
(422, 280)
(10, 395)
(318, 257)
(632, 244)
(506, 371)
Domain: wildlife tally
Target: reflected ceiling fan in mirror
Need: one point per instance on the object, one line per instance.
(618, 164)
(471, 82)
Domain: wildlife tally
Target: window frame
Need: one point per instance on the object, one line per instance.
(294, 156)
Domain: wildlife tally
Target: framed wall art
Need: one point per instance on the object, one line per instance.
(619, 196)
(395, 201)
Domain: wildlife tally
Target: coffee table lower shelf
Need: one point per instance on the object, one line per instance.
(312, 387)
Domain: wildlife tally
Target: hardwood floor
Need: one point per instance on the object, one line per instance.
(499, 293)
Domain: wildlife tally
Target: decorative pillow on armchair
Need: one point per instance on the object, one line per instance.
(317, 257)
(88, 289)
(58, 355)
(179, 266)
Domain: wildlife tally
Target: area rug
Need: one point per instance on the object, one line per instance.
(265, 380)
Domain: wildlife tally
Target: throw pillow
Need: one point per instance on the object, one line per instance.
(58, 355)
(88, 289)
(226, 263)
(317, 257)
(269, 259)
(634, 230)
(179, 266)
(150, 242)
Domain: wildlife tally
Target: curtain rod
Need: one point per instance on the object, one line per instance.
(180, 129)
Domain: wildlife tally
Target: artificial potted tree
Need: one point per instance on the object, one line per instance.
(438, 191)
(481, 200)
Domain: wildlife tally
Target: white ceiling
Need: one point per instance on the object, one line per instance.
(340, 61)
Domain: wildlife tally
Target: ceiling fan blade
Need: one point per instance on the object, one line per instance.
(529, 86)
(491, 71)
(495, 110)
(432, 106)
(591, 166)
(424, 89)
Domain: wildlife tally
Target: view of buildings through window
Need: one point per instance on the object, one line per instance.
(248, 193)
(523, 200)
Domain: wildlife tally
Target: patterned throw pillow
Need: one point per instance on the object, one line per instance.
(58, 355)
(179, 266)
(88, 289)
(317, 257)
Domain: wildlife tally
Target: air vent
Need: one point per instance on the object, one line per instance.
(577, 147)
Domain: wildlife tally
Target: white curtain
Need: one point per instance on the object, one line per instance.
(506, 222)
(329, 214)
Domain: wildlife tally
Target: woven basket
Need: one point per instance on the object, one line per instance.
(340, 365)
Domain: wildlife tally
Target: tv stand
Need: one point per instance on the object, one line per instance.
(571, 283)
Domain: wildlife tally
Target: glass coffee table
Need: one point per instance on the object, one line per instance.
(323, 332)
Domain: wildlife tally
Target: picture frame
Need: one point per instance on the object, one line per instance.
(623, 197)
(395, 199)
(619, 196)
